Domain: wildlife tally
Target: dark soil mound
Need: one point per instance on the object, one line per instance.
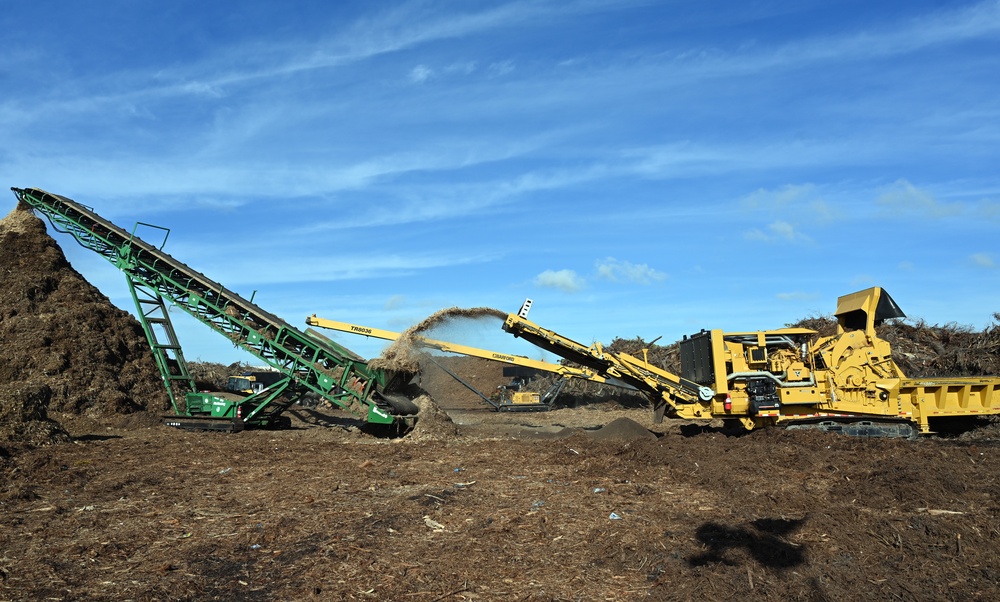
(432, 423)
(623, 428)
(24, 419)
(66, 346)
(481, 374)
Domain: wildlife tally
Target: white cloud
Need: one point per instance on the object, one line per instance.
(780, 197)
(420, 74)
(233, 265)
(779, 231)
(564, 280)
(696, 158)
(462, 68)
(823, 211)
(800, 199)
(983, 260)
(395, 302)
(783, 230)
(501, 68)
(905, 198)
(937, 27)
(404, 27)
(623, 271)
(990, 209)
(795, 296)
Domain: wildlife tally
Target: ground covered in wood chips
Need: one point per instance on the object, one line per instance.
(589, 501)
(562, 510)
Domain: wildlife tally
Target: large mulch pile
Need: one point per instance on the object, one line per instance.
(66, 347)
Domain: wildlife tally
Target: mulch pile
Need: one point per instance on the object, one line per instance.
(478, 375)
(623, 428)
(213, 376)
(66, 347)
(432, 422)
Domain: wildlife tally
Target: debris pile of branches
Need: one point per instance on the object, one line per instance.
(922, 350)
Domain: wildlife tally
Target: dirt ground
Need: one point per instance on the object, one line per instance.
(324, 511)
(589, 501)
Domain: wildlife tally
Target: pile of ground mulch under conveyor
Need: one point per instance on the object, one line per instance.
(66, 347)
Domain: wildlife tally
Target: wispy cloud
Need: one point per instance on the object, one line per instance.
(989, 209)
(903, 198)
(779, 231)
(983, 260)
(565, 280)
(805, 201)
(781, 197)
(185, 180)
(938, 27)
(420, 74)
(222, 165)
(692, 159)
(395, 302)
(388, 31)
(825, 212)
(617, 270)
(413, 24)
(233, 265)
(501, 68)
(796, 296)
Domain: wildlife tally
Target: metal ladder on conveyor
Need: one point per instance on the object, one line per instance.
(310, 361)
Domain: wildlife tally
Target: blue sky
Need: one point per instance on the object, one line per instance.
(636, 168)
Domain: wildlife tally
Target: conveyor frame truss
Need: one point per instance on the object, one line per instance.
(321, 366)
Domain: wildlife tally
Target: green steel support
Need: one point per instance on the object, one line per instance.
(272, 401)
(167, 352)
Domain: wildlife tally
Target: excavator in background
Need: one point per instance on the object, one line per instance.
(252, 381)
(847, 382)
(511, 397)
(308, 363)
